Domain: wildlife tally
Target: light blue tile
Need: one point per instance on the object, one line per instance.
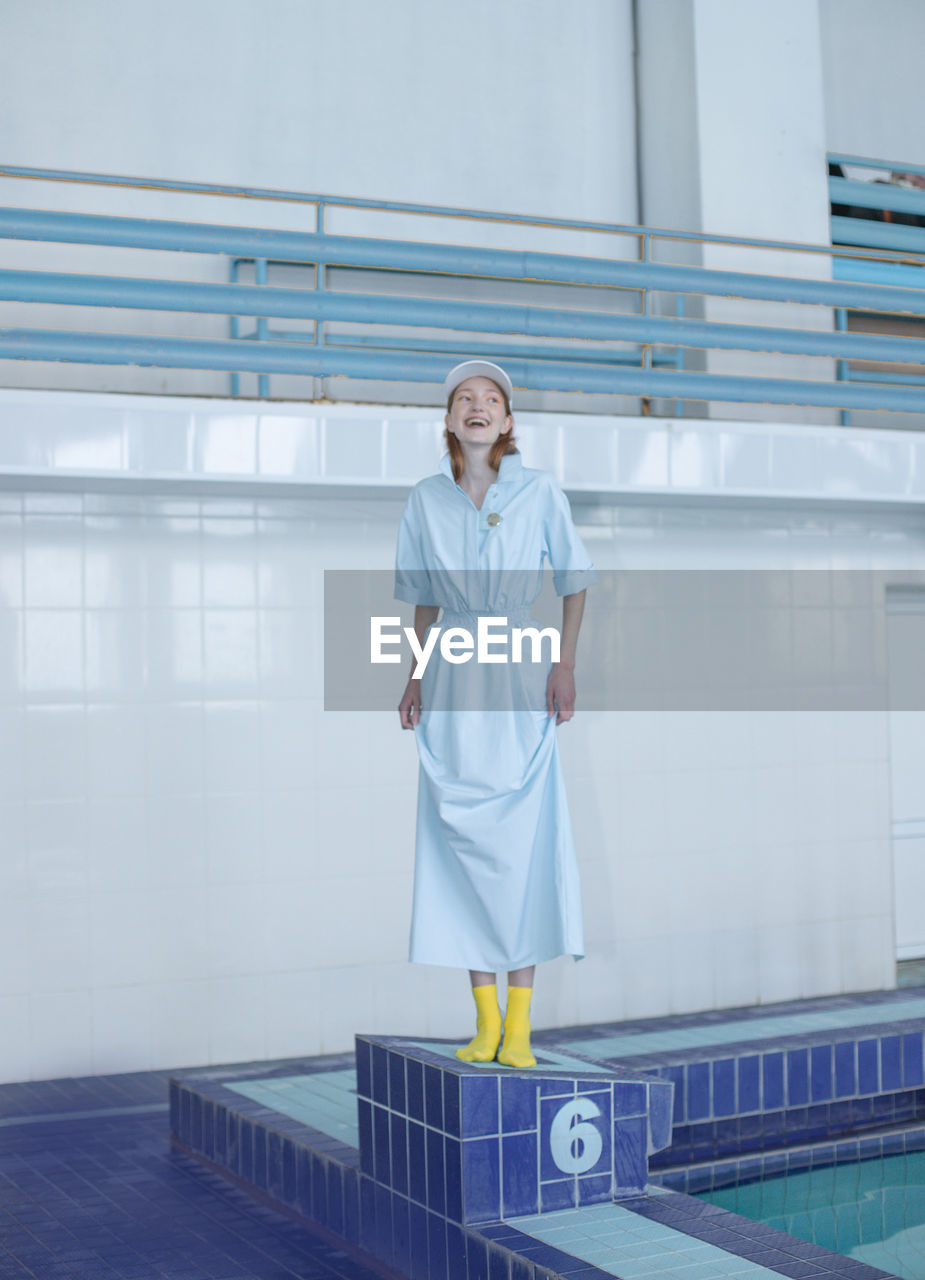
(595, 1211)
(578, 1216)
(702, 1271)
(733, 1267)
(647, 1249)
(649, 1230)
(323, 1100)
(634, 1247)
(599, 1230)
(749, 1029)
(690, 1244)
(631, 1268)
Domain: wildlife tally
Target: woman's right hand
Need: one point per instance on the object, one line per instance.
(409, 709)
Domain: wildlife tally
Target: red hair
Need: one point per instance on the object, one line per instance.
(504, 444)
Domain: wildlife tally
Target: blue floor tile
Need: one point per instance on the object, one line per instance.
(103, 1197)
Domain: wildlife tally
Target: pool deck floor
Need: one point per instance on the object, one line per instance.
(90, 1188)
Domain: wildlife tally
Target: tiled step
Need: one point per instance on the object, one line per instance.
(482, 1143)
(710, 1175)
(764, 1079)
(290, 1135)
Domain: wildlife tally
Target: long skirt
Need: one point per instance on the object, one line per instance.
(496, 883)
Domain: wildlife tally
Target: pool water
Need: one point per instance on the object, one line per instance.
(873, 1211)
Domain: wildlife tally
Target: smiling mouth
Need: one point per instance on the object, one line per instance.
(476, 422)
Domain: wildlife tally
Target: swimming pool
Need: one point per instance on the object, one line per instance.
(759, 1093)
(872, 1210)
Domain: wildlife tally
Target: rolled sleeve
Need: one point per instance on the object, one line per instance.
(572, 567)
(570, 583)
(412, 578)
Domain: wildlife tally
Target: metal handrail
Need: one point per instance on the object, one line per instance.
(629, 369)
(880, 235)
(405, 366)
(400, 206)
(308, 247)
(904, 243)
(867, 162)
(876, 195)
(488, 317)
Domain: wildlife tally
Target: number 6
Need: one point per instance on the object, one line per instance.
(575, 1143)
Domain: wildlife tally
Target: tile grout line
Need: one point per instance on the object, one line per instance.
(96, 1113)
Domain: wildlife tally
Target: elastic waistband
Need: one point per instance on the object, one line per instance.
(516, 617)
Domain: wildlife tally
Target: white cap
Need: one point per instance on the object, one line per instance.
(478, 369)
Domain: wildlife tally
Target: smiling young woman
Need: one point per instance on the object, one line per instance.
(496, 884)
(461, 403)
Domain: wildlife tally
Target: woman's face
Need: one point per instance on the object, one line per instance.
(477, 414)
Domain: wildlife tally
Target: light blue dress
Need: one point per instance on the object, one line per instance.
(496, 882)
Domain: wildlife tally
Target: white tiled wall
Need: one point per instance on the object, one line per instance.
(51, 437)
(197, 863)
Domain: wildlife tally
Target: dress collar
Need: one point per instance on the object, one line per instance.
(509, 469)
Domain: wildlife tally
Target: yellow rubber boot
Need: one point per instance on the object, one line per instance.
(484, 1045)
(515, 1052)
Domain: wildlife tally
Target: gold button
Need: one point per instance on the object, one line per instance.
(494, 518)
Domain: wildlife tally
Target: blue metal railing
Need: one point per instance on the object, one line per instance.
(591, 343)
(870, 223)
(863, 216)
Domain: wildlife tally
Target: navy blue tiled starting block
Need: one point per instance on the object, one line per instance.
(479, 1143)
(443, 1170)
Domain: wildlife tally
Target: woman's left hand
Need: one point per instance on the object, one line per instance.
(560, 692)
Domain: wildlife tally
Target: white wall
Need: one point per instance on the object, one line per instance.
(524, 106)
(872, 74)
(732, 138)
(906, 640)
(199, 864)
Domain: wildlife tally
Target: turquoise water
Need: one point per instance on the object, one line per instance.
(873, 1211)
